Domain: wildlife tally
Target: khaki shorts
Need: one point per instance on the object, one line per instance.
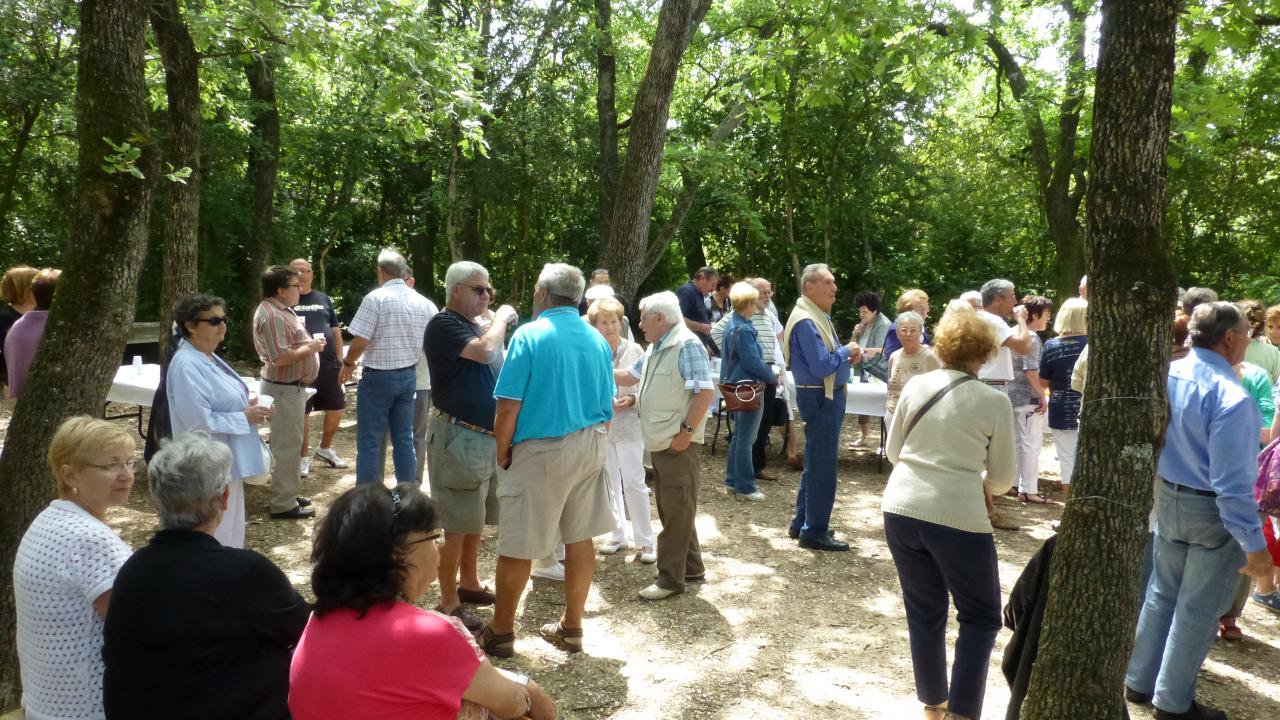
(462, 467)
(555, 491)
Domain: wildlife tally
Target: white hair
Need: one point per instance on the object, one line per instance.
(459, 273)
(813, 273)
(909, 316)
(595, 292)
(665, 304)
(393, 264)
(187, 477)
(562, 280)
(970, 296)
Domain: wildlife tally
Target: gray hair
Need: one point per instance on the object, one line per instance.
(909, 316)
(812, 272)
(993, 290)
(187, 477)
(393, 264)
(1196, 296)
(665, 304)
(1211, 322)
(460, 272)
(562, 280)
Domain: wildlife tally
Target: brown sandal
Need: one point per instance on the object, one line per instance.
(499, 645)
(1032, 499)
(567, 639)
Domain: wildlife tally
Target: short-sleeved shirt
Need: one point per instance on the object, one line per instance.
(66, 560)
(1020, 391)
(276, 330)
(999, 367)
(693, 306)
(398, 662)
(316, 310)
(462, 388)
(393, 318)
(1056, 364)
(693, 364)
(562, 372)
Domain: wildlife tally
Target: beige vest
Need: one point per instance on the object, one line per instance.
(664, 402)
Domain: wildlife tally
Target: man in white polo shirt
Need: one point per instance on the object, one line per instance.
(998, 301)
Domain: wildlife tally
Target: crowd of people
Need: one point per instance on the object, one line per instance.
(545, 430)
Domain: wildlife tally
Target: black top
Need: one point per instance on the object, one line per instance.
(693, 305)
(316, 310)
(197, 630)
(460, 387)
(8, 316)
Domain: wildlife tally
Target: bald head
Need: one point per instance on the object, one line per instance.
(303, 267)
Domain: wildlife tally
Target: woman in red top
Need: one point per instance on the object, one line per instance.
(367, 652)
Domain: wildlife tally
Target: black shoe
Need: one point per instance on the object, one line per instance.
(304, 501)
(824, 543)
(793, 533)
(695, 579)
(470, 620)
(297, 513)
(1197, 712)
(1134, 696)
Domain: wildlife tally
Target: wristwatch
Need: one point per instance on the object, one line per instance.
(687, 428)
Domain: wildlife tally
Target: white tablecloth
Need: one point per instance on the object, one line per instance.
(134, 387)
(861, 398)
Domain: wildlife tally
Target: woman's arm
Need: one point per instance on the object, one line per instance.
(492, 689)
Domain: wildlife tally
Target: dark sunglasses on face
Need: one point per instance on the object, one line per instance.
(480, 290)
(214, 321)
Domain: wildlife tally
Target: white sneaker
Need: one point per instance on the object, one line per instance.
(331, 457)
(860, 441)
(551, 572)
(756, 496)
(647, 556)
(306, 467)
(612, 547)
(653, 592)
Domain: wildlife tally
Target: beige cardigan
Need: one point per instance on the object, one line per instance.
(939, 473)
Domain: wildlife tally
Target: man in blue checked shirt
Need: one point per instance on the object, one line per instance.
(1207, 528)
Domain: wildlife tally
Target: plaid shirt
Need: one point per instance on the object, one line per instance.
(393, 318)
(276, 330)
(695, 366)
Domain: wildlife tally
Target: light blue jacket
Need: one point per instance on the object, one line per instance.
(206, 394)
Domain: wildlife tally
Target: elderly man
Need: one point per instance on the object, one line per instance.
(998, 303)
(387, 331)
(769, 330)
(555, 396)
(676, 390)
(821, 369)
(421, 400)
(316, 310)
(693, 304)
(290, 363)
(1207, 529)
(463, 359)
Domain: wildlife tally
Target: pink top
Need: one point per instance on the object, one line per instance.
(20, 347)
(396, 662)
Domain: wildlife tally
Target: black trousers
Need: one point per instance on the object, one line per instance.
(770, 405)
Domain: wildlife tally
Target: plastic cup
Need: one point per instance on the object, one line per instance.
(266, 401)
(137, 364)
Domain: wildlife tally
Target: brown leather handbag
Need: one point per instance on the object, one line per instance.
(744, 395)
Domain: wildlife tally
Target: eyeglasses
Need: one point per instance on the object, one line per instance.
(297, 285)
(214, 321)
(435, 536)
(480, 290)
(116, 468)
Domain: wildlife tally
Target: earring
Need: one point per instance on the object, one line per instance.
(75, 491)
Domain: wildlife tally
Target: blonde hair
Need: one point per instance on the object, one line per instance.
(81, 440)
(963, 339)
(743, 295)
(605, 305)
(16, 285)
(909, 299)
(1073, 317)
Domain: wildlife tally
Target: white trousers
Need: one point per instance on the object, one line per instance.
(624, 464)
(1065, 441)
(1030, 431)
(230, 531)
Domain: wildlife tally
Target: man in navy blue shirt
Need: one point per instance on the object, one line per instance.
(693, 304)
(820, 366)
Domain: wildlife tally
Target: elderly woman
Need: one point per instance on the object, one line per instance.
(913, 300)
(15, 294)
(870, 334)
(65, 568)
(675, 394)
(1026, 393)
(951, 436)
(1057, 362)
(624, 451)
(743, 361)
(912, 358)
(368, 651)
(206, 394)
(197, 628)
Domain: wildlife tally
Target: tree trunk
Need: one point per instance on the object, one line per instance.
(263, 166)
(10, 180)
(181, 223)
(607, 111)
(424, 225)
(94, 307)
(1093, 597)
(624, 248)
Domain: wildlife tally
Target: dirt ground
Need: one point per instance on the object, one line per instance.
(775, 632)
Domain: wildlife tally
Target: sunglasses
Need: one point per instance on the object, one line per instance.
(214, 321)
(480, 290)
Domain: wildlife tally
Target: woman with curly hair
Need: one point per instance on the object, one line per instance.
(950, 437)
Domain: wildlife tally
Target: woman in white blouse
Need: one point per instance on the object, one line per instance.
(65, 567)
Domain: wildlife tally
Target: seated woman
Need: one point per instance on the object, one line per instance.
(65, 568)
(367, 651)
(197, 629)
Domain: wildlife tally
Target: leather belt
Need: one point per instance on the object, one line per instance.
(1183, 488)
(460, 423)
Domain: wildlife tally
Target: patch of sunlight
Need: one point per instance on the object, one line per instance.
(871, 548)
(886, 603)
(708, 529)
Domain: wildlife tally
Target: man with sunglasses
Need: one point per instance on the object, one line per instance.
(290, 363)
(387, 331)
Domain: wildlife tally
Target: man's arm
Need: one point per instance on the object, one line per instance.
(337, 341)
(487, 348)
(354, 351)
(697, 411)
(703, 328)
(504, 428)
(1020, 341)
(1233, 468)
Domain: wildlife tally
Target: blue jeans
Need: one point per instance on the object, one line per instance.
(384, 403)
(822, 421)
(741, 475)
(932, 561)
(1195, 577)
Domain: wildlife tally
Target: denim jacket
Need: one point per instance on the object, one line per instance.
(743, 359)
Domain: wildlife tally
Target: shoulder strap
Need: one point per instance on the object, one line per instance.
(933, 401)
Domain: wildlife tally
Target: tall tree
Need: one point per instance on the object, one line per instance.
(606, 111)
(93, 311)
(180, 228)
(624, 248)
(262, 172)
(1093, 596)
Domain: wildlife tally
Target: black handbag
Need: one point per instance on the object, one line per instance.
(744, 395)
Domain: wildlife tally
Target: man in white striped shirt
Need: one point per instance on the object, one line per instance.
(387, 331)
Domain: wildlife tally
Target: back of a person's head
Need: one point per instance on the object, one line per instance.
(15, 288)
(963, 339)
(44, 286)
(1195, 297)
(1211, 321)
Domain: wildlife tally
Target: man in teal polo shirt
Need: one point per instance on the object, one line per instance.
(555, 395)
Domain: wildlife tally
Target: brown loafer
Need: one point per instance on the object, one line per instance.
(567, 639)
(795, 463)
(483, 596)
(762, 475)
